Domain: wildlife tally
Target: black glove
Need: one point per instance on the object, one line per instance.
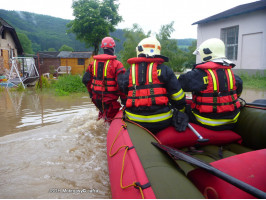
(90, 94)
(180, 120)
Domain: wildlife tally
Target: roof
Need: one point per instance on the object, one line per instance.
(65, 54)
(238, 10)
(68, 54)
(49, 54)
(5, 26)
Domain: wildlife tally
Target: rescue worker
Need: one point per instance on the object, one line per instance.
(101, 81)
(215, 89)
(151, 87)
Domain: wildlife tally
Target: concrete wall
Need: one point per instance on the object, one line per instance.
(251, 39)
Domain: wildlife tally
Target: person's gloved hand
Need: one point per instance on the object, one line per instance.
(180, 120)
(90, 94)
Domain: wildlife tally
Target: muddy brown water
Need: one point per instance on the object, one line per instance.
(54, 147)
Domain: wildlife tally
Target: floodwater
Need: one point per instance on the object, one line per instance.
(51, 147)
(54, 147)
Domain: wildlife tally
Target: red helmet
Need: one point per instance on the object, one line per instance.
(108, 42)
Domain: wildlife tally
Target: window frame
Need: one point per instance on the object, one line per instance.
(81, 61)
(231, 47)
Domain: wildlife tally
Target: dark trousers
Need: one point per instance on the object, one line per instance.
(107, 110)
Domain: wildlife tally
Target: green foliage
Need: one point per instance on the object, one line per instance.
(26, 43)
(45, 83)
(51, 49)
(133, 37)
(68, 84)
(178, 59)
(94, 20)
(20, 88)
(169, 47)
(190, 58)
(43, 31)
(66, 48)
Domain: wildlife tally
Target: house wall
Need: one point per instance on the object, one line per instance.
(73, 62)
(48, 65)
(251, 40)
(7, 48)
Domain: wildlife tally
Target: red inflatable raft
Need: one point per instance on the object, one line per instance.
(137, 169)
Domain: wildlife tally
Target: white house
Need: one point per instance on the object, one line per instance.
(243, 30)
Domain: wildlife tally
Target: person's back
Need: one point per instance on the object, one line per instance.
(215, 88)
(101, 81)
(151, 87)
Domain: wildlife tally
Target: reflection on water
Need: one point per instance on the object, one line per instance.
(20, 111)
(61, 152)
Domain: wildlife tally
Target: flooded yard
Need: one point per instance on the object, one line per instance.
(54, 147)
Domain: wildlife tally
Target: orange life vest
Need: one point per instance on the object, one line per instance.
(152, 92)
(103, 79)
(212, 100)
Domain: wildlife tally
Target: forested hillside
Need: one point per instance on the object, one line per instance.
(46, 32)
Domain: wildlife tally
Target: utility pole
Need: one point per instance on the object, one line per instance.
(40, 72)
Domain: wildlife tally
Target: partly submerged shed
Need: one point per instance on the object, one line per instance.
(78, 61)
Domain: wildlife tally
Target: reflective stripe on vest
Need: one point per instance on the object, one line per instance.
(218, 102)
(230, 79)
(215, 122)
(105, 84)
(177, 96)
(149, 118)
(213, 80)
(150, 83)
(105, 68)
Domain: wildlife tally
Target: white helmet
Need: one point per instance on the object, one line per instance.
(211, 49)
(149, 47)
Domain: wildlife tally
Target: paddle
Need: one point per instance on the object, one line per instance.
(201, 139)
(226, 177)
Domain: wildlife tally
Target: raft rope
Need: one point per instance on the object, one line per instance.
(145, 130)
(134, 184)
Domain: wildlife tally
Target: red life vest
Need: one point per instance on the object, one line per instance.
(212, 100)
(103, 75)
(152, 92)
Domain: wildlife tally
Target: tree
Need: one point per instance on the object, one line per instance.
(66, 48)
(133, 37)
(26, 43)
(51, 49)
(169, 47)
(191, 59)
(94, 20)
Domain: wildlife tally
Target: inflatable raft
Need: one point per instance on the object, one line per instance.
(138, 169)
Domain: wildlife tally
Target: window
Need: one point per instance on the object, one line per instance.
(81, 61)
(3, 35)
(230, 37)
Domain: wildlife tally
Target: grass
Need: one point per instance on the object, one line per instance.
(64, 86)
(254, 81)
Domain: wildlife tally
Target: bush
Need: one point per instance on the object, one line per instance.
(68, 84)
(45, 83)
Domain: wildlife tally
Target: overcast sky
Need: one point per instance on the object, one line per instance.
(149, 14)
